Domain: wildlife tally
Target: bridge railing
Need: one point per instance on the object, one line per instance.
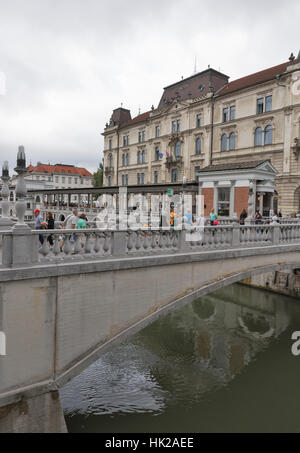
(29, 247)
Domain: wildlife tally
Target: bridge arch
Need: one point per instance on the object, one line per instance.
(176, 304)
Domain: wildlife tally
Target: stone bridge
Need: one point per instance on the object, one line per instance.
(65, 304)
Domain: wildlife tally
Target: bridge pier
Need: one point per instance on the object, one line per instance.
(38, 414)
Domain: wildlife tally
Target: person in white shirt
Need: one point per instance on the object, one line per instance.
(70, 224)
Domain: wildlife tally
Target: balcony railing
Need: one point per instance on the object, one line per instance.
(108, 170)
(174, 161)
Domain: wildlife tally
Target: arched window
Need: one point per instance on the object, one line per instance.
(268, 135)
(258, 137)
(198, 146)
(177, 149)
(232, 141)
(224, 142)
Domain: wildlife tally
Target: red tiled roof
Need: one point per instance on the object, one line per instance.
(253, 79)
(140, 118)
(58, 168)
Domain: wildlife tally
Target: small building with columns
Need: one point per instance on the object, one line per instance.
(225, 187)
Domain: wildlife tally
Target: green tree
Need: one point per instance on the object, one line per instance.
(98, 175)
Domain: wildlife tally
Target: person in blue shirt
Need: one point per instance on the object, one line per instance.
(213, 216)
(188, 218)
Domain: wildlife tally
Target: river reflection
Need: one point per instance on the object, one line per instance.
(222, 363)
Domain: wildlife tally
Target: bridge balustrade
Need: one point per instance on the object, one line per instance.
(25, 247)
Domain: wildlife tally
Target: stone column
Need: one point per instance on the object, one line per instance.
(5, 221)
(216, 197)
(261, 202)
(20, 246)
(231, 200)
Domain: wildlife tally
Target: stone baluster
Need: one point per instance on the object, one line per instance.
(106, 245)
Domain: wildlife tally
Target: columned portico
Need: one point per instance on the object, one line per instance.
(229, 184)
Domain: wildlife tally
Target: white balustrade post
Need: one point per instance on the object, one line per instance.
(275, 234)
(5, 221)
(235, 235)
(22, 243)
(119, 243)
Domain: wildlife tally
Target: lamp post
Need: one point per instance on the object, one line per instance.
(21, 188)
(5, 221)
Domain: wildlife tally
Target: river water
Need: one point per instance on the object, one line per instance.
(220, 364)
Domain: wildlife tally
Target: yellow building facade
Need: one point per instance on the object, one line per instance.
(206, 120)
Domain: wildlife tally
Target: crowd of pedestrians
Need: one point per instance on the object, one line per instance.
(71, 222)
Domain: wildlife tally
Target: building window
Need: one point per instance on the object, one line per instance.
(178, 125)
(109, 181)
(232, 141)
(124, 180)
(110, 161)
(198, 145)
(223, 201)
(63, 179)
(174, 175)
(139, 157)
(140, 178)
(225, 115)
(157, 131)
(199, 120)
(196, 169)
(70, 180)
(123, 160)
(143, 156)
(177, 149)
(127, 158)
(155, 177)
(260, 106)
(142, 136)
(156, 153)
(125, 140)
(110, 143)
(75, 181)
(224, 142)
(268, 103)
(258, 136)
(56, 178)
(63, 172)
(268, 135)
(232, 112)
(173, 127)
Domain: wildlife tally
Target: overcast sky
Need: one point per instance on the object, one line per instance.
(69, 63)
